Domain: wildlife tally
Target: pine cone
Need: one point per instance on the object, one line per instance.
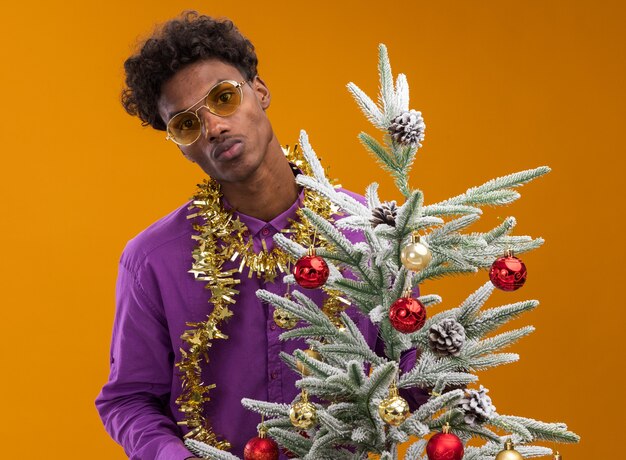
(447, 337)
(477, 406)
(408, 128)
(384, 214)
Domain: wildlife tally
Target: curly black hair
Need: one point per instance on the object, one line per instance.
(177, 43)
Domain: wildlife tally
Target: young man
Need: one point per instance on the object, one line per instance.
(196, 79)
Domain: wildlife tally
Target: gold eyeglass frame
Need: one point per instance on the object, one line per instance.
(237, 85)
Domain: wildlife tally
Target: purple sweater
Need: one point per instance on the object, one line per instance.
(155, 297)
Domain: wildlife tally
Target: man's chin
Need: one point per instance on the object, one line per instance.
(234, 173)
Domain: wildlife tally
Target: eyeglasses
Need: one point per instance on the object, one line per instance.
(222, 100)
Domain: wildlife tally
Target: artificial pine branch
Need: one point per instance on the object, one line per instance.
(367, 106)
(494, 360)
(267, 409)
(305, 309)
(358, 292)
(387, 91)
(414, 427)
(491, 449)
(444, 210)
(415, 449)
(408, 215)
(494, 344)
(501, 230)
(434, 379)
(476, 195)
(317, 368)
(340, 201)
(435, 404)
(304, 332)
(554, 432)
(378, 383)
(322, 388)
(380, 154)
(371, 196)
(430, 300)
(493, 318)
(340, 243)
(294, 442)
(205, 451)
(293, 249)
(476, 432)
(439, 271)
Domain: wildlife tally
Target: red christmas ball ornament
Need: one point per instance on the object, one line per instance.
(407, 314)
(508, 273)
(261, 448)
(311, 271)
(444, 446)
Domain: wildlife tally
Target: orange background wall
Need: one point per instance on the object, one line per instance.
(503, 86)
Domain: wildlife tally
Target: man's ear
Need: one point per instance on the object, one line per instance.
(261, 91)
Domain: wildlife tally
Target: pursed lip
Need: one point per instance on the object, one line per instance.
(222, 147)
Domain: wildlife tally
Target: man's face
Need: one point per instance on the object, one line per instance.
(230, 148)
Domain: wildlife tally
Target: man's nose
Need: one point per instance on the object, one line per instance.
(213, 126)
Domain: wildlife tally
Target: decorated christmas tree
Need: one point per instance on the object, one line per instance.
(350, 405)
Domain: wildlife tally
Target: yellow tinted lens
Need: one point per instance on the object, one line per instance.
(184, 128)
(224, 98)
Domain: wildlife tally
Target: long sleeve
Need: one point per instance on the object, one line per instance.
(134, 402)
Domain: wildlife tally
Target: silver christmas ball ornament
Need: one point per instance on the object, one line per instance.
(415, 256)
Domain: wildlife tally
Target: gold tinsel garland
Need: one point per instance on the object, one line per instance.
(220, 239)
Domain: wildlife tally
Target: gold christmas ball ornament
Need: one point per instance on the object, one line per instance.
(284, 319)
(415, 256)
(302, 367)
(394, 409)
(303, 414)
(509, 453)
